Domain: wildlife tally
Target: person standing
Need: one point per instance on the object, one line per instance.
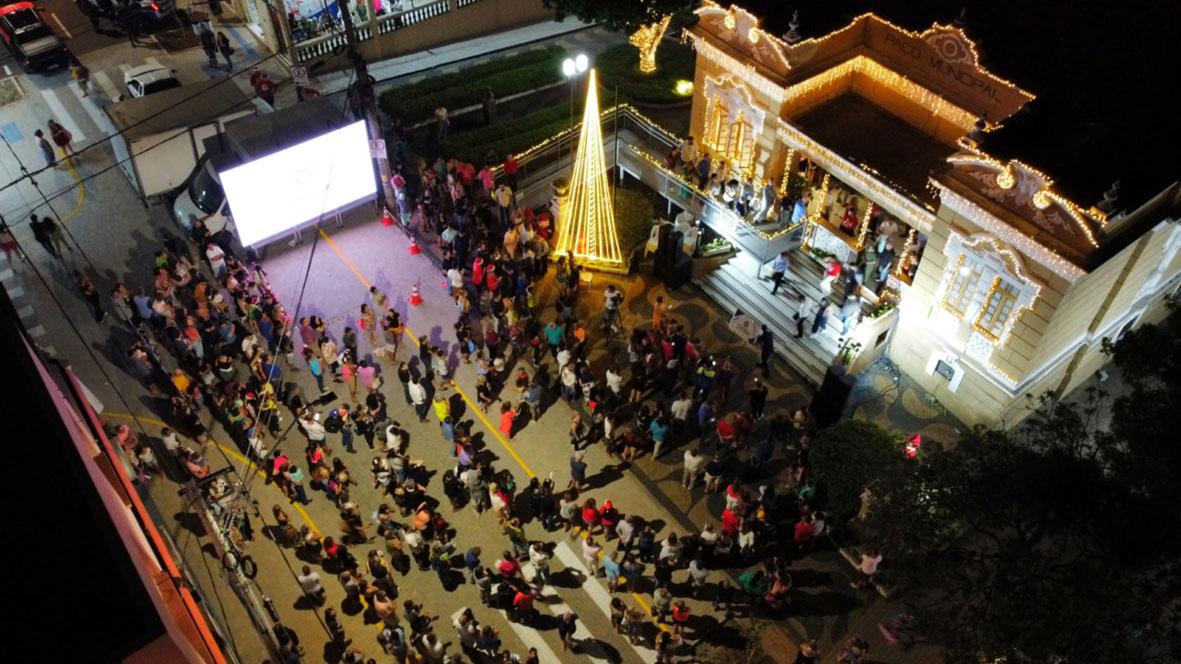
(81, 74)
(226, 50)
(129, 21)
(778, 269)
(8, 243)
(867, 567)
(309, 581)
(61, 137)
(758, 398)
(90, 294)
(56, 237)
(42, 236)
(805, 309)
(418, 399)
(567, 626)
(208, 44)
(694, 462)
(46, 149)
(766, 342)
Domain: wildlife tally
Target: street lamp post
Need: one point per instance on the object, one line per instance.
(572, 69)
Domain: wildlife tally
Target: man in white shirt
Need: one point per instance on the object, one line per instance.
(454, 280)
(688, 151)
(867, 568)
(694, 463)
(310, 582)
(313, 429)
(614, 381)
(418, 398)
(681, 408)
(778, 269)
(805, 310)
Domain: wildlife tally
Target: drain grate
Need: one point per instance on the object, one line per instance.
(10, 90)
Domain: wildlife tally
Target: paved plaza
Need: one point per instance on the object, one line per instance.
(119, 237)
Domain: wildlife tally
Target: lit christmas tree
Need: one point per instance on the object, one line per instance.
(586, 229)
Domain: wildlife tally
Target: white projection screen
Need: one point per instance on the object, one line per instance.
(280, 191)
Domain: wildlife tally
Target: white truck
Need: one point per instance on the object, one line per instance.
(160, 136)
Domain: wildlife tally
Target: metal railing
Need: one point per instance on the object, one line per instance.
(642, 146)
(334, 42)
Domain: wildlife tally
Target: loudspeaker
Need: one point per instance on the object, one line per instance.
(828, 403)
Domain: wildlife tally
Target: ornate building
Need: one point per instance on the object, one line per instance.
(1003, 286)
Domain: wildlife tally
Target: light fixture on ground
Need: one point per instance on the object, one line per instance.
(586, 223)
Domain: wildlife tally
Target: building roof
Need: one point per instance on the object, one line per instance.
(880, 143)
(1098, 115)
(186, 106)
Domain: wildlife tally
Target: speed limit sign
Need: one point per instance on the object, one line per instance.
(299, 75)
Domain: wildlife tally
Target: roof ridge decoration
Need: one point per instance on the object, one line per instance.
(1028, 193)
(743, 28)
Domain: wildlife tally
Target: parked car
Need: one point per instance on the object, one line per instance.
(30, 40)
(202, 196)
(148, 79)
(147, 12)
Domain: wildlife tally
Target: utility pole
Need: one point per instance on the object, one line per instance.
(363, 99)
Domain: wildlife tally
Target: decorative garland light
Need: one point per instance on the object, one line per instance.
(647, 39)
(587, 223)
(1023, 243)
(744, 70)
(911, 239)
(871, 69)
(863, 227)
(911, 213)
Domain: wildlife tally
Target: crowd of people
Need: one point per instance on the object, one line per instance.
(214, 341)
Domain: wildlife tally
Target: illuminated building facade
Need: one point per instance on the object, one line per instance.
(1003, 286)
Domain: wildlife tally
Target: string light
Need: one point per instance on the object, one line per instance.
(913, 214)
(1005, 179)
(587, 224)
(911, 239)
(788, 165)
(743, 70)
(861, 65)
(647, 39)
(1009, 235)
(863, 227)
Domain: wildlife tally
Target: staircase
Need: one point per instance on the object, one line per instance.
(734, 287)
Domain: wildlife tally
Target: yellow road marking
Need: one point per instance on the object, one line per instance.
(81, 191)
(230, 451)
(479, 413)
(414, 338)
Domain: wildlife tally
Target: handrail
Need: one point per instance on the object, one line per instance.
(559, 143)
(331, 42)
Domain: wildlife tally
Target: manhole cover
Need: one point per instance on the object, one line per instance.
(10, 90)
(177, 40)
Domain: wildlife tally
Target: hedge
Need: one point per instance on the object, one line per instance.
(471, 91)
(435, 84)
(509, 135)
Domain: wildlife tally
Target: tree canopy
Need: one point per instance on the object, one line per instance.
(624, 16)
(1057, 539)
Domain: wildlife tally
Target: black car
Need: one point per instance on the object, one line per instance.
(29, 39)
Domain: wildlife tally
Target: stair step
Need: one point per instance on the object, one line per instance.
(734, 288)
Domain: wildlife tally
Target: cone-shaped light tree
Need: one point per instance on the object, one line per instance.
(586, 228)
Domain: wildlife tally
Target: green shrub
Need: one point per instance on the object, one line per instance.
(633, 219)
(471, 145)
(849, 456)
(443, 81)
(470, 91)
(620, 65)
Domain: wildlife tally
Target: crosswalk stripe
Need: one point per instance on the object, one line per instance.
(105, 84)
(153, 61)
(598, 593)
(7, 71)
(529, 636)
(124, 67)
(96, 114)
(62, 115)
(554, 603)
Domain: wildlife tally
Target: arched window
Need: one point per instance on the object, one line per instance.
(738, 149)
(719, 125)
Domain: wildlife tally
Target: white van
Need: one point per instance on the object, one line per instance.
(203, 198)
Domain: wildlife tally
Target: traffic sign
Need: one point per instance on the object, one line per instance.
(377, 148)
(299, 75)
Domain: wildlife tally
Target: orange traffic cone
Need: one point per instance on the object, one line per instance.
(387, 218)
(414, 249)
(415, 297)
